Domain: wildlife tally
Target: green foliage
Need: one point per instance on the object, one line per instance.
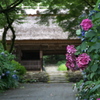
(89, 89)
(10, 71)
(73, 9)
(8, 76)
(53, 59)
(91, 45)
(61, 62)
(19, 68)
(62, 67)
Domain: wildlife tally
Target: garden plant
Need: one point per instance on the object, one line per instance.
(10, 71)
(86, 57)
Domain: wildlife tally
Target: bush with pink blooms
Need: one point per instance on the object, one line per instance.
(76, 63)
(88, 56)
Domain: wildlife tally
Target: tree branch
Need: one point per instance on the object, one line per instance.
(12, 4)
(10, 7)
(4, 37)
(88, 4)
(10, 21)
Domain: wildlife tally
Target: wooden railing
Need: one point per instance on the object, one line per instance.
(32, 64)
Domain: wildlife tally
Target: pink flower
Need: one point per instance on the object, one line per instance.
(86, 24)
(71, 49)
(98, 99)
(83, 60)
(70, 57)
(71, 61)
(71, 65)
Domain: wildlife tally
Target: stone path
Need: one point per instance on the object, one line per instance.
(40, 91)
(55, 75)
(51, 68)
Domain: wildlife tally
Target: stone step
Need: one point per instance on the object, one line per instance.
(57, 77)
(63, 79)
(57, 81)
(57, 73)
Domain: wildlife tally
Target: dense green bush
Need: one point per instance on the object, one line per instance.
(19, 68)
(90, 90)
(10, 71)
(61, 62)
(89, 87)
(8, 75)
(62, 67)
(53, 59)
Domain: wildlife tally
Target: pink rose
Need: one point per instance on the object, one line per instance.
(71, 65)
(86, 24)
(71, 61)
(83, 60)
(70, 57)
(71, 49)
(98, 99)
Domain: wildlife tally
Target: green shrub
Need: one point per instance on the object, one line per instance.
(89, 90)
(62, 67)
(61, 62)
(53, 59)
(9, 74)
(19, 68)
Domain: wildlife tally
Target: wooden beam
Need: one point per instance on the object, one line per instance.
(30, 42)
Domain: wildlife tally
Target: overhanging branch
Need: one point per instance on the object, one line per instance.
(10, 7)
(88, 4)
(10, 21)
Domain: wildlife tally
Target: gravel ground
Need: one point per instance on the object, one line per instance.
(40, 91)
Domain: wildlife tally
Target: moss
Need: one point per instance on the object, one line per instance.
(74, 76)
(36, 77)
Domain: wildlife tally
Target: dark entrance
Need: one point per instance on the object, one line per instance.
(31, 59)
(30, 55)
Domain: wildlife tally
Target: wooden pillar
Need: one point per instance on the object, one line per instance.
(18, 53)
(41, 59)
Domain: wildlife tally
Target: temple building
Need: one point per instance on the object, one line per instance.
(34, 40)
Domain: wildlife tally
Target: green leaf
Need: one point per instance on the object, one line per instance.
(94, 39)
(96, 56)
(96, 17)
(96, 45)
(94, 67)
(90, 34)
(78, 50)
(92, 75)
(96, 7)
(95, 88)
(83, 46)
